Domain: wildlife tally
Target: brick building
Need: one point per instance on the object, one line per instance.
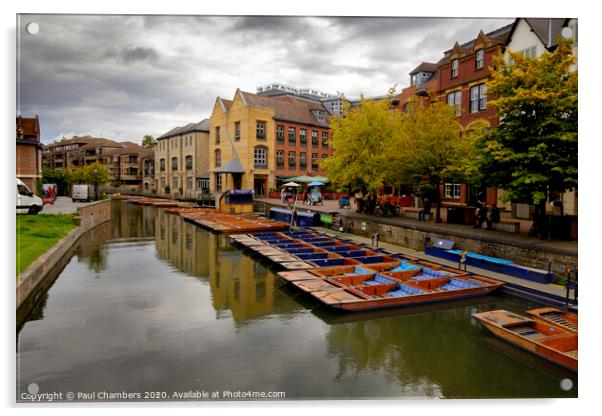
(258, 142)
(123, 160)
(182, 161)
(28, 151)
(460, 79)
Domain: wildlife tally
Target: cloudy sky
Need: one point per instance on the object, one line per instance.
(122, 77)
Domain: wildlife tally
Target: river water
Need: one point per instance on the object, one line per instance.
(153, 307)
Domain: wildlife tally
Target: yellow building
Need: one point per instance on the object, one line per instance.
(252, 136)
(182, 161)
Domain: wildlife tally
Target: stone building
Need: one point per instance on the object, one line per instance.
(28, 151)
(182, 161)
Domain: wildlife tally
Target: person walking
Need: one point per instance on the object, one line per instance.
(282, 194)
(494, 217)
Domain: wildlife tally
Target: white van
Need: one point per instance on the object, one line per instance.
(27, 202)
(81, 193)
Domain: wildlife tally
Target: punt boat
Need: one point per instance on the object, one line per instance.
(547, 341)
(553, 316)
(362, 288)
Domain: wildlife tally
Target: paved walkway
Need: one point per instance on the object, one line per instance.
(466, 231)
(63, 205)
(552, 289)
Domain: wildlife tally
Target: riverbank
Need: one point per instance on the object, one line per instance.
(414, 234)
(38, 233)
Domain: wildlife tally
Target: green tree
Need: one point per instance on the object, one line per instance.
(431, 150)
(94, 174)
(362, 142)
(61, 177)
(148, 141)
(532, 153)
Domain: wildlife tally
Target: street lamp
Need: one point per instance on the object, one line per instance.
(95, 181)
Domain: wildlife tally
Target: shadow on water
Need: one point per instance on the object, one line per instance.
(153, 302)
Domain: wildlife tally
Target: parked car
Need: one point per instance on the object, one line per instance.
(82, 192)
(27, 202)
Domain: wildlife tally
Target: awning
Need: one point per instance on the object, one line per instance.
(233, 166)
(308, 179)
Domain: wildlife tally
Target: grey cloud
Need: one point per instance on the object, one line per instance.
(139, 54)
(127, 75)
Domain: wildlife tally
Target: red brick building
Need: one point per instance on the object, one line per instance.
(29, 151)
(459, 79)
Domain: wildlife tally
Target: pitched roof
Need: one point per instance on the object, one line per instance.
(497, 37)
(424, 67)
(233, 166)
(289, 108)
(201, 126)
(547, 30)
(129, 148)
(28, 128)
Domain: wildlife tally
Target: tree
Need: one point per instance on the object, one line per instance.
(431, 150)
(61, 177)
(532, 153)
(94, 174)
(362, 142)
(148, 141)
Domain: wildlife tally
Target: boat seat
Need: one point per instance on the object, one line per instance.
(456, 284)
(405, 290)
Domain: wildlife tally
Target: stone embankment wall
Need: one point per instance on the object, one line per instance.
(88, 217)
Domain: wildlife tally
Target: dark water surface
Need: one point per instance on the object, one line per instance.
(151, 303)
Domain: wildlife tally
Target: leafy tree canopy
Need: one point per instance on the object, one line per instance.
(533, 151)
(148, 141)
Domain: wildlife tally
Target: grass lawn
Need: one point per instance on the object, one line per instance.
(37, 233)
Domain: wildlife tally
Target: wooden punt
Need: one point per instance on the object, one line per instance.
(550, 342)
(556, 317)
(362, 288)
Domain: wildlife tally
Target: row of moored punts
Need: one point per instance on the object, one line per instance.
(352, 277)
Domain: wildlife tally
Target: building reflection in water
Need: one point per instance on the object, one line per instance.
(239, 283)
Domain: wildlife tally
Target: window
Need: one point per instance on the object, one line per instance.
(189, 183)
(480, 58)
(324, 156)
(291, 159)
(452, 190)
(314, 160)
(218, 181)
(188, 162)
(324, 139)
(174, 163)
(162, 165)
(218, 137)
(314, 138)
(175, 183)
(454, 99)
(303, 136)
(478, 98)
(280, 157)
(413, 79)
(292, 135)
(260, 157)
(280, 133)
(218, 157)
(302, 159)
(530, 52)
(162, 183)
(237, 130)
(260, 129)
(454, 68)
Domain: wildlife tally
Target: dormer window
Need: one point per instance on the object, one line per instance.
(320, 115)
(480, 59)
(454, 68)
